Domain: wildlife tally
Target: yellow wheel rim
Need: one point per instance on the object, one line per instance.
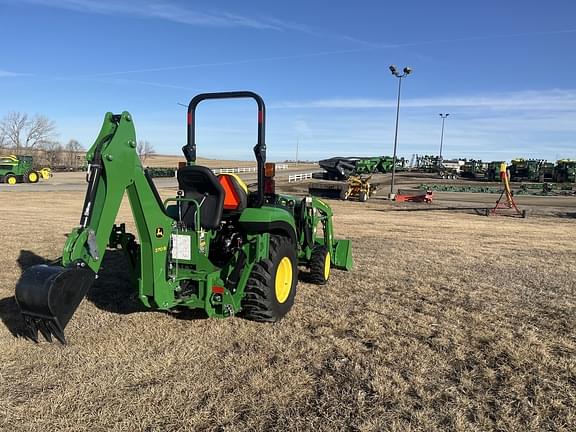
(283, 283)
(12, 180)
(33, 177)
(327, 266)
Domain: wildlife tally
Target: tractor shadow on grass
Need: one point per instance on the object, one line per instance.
(480, 211)
(113, 291)
(9, 310)
(11, 318)
(566, 215)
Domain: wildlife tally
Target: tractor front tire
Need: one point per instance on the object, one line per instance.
(10, 179)
(31, 176)
(363, 196)
(319, 265)
(271, 286)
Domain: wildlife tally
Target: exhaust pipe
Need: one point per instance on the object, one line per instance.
(48, 296)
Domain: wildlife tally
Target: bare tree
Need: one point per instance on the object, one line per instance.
(41, 129)
(144, 149)
(21, 132)
(12, 127)
(53, 151)
(73, 149)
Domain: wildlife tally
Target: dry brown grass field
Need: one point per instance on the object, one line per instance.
(449, 321)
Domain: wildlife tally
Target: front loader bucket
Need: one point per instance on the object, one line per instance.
(343, 255)
(48, 297)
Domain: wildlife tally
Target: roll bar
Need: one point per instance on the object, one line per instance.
(189, 149)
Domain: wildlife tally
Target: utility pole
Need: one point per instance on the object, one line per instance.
(297, 146)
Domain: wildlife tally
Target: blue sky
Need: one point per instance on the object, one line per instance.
(504, 71)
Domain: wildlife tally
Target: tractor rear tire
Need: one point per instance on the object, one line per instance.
(320, 265)
(271, 286)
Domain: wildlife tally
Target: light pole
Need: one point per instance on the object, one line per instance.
(405, 72)
(297, 145)
(442, 135)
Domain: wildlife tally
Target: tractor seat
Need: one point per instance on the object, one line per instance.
(235, 192)
(200, 184)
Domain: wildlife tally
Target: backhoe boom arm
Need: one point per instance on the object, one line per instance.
(115, 169)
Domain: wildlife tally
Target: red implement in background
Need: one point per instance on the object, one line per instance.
(414, 196)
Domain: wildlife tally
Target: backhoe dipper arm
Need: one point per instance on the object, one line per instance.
(49, 295)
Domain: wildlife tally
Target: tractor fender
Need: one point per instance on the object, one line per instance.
(268, 220)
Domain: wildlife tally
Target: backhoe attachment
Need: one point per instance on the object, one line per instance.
(48, 295)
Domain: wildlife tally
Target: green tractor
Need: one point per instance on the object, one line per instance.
(366, 165)
(386, 162)
(493, 171)
(18, 169)
(525, 170)
(565, 171)
(215, 246)
(474, 169)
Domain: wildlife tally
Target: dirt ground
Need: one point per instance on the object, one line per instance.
(449, 321)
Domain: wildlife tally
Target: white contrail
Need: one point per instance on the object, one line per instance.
(369, 47)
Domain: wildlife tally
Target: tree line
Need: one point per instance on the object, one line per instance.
(21, 134)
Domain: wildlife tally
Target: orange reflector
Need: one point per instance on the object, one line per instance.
(270, 169)
(218, 290)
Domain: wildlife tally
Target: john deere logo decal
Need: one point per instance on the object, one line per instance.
(159, 232)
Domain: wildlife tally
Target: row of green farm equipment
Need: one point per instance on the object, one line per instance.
(341, 168)
(530, 170)
(521, 170)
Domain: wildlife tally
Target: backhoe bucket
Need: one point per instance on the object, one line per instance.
(343, 255)
(48, 297)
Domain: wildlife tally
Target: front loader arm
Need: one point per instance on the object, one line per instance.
(340, 250)
(49, 295)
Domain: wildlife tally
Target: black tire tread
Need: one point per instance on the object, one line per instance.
(259, 295)
(317, 265)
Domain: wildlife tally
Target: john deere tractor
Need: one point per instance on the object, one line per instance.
(215, 246)
(18, 169)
